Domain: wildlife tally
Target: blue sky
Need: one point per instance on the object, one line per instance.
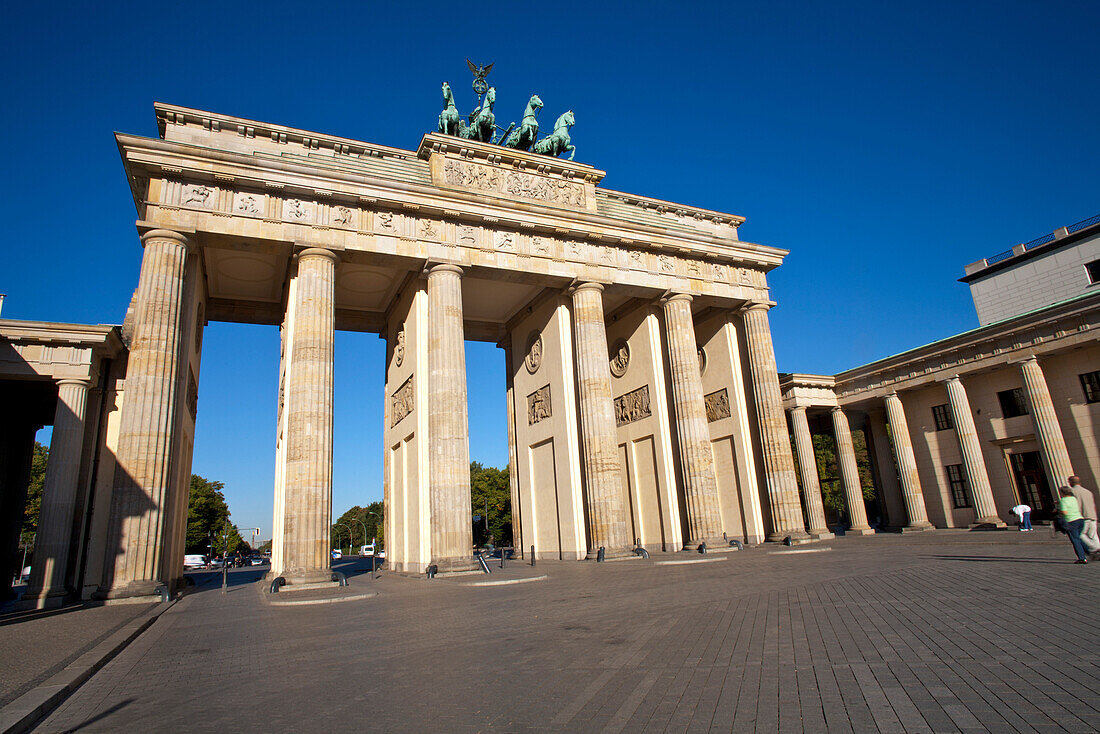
(885, 145)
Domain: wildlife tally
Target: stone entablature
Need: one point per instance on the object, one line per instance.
(1057, 328)
(224, 191)
(37, 349)
(807, 391)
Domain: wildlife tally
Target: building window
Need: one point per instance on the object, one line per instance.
(1093, 271)
(955, 477)
(1090, 381)
(943, 418)
(1013, 402)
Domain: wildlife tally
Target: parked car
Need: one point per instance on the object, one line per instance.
(257, 560)
(193, 561)
(336, 555)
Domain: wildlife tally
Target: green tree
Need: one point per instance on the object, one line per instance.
(491, 497)
(208, 516)
(353, 522)
(34, 494)
(828, 470)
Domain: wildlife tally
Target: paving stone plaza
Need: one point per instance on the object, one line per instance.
(938, 632)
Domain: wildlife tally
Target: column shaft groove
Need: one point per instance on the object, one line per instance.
(849, 474)
(907, 464)
(973, 462)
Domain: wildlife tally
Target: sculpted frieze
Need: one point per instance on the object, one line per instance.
(538, 405)
(718, 405)
(245, 202)
(402, 402)
(634, 406)
(198, 196)
(518, 184)
(299, 211)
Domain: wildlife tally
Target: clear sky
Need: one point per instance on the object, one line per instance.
(886, 145)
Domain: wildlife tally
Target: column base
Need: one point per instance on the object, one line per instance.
(712, 543)
(456, 565)
(860, 530)
(130, 590)
(312, 576)
(918, 527)
(798, 537)
(988, 523)
(823, 534)
(593, 554)
(42, 601)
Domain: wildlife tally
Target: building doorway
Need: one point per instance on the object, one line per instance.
(1031, 484)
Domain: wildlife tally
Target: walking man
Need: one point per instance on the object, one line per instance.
(1088, 513)
(1023, 512)
(1070, 510)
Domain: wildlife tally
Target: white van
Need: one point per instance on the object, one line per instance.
(194, 561)
(367, 550)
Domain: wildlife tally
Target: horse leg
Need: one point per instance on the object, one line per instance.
(572, 150)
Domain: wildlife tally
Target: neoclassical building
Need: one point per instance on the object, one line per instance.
(961, 430)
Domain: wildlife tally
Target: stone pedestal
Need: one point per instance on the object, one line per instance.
(607, 526)
(1051, 442)
(907, 466)
(141, 505)
(973, 462)
(448, 426)
(775, 441)
(849, 475)
(704, 515)
(811, 482)
(307, 494)
(53, 541)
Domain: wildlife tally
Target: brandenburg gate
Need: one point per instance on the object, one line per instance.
(642, 396)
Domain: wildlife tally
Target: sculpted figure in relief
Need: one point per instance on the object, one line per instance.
(399, 349)
(538, 405)
(401, 404)
(718, 405)
(198, 195)
(533, 360)
(249, 204)
(634, 406)
(341, 215)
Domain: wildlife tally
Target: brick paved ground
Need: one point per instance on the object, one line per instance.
(943, 631)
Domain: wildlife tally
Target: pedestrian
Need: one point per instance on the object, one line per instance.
(1070, 510)
(1088, 514)
(1023, 512)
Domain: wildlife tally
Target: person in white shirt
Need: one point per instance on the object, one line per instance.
(1023, 512)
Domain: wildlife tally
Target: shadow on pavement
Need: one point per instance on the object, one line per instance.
(102, 715)
(998, 559)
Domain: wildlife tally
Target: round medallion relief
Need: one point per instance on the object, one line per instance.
(620, 358)
(702, 360)
(533, 360)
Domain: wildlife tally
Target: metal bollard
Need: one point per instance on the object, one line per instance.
(641, 552)
(787, 540)
(483, 564)
(532, 555)
(276, 583)
(163, 593)
(599, 555)
(703, 548)
(738, 544)
(338, 576)
(503, 553)
(432, 570)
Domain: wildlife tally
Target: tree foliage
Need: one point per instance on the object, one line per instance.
(208, 516)
(828, 470)
(34, 494)
(347, 531)
(490, 493)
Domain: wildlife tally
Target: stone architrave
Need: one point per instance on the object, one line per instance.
(449, 438)
(307, 497)
(849, 475)
(907, 465)
(599, 444)
(704, 515)
(140, 503)
(1051, 442)
(52, 542)
(972, 454)
(811, 483)
(775, 441)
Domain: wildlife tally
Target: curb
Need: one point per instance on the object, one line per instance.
(24, 712)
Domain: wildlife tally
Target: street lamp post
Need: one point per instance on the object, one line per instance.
(338, 525)
(374, 556)
(364, 530)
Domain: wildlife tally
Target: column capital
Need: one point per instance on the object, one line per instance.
(86, 384)
(950, 378)
(166, 234)
(764, 306)
(318, 252)
(589, 285)
(798, 409)
(836, 409)
(670, 296)
(436, 268)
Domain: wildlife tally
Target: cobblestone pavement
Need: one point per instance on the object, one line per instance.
(942, 631)
(36, 644)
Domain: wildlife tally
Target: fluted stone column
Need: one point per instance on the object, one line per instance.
(307, 496)
(807, 465)
(1051, 442)
(53, 541)
(141, 506)
(775, 441)
(704, 514)
(849, 475)
(448, 425)
(972, 454)
(602, 472)
(907, 465)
